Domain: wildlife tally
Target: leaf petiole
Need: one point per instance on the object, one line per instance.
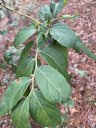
(33, 76)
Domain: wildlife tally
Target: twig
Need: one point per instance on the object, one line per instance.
(19, 13)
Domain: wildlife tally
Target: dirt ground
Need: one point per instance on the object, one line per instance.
(82, 68)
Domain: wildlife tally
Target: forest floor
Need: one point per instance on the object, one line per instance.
(82, 68)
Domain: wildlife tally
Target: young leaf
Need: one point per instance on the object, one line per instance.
(52, 6)
(41, 35)
(53, 56)
(64, 35)
(41, 40)
(20, 114)
(27, 65)
(58, 7)
(26, 51)
(13, 94)
(45, 13)
(52, 84)
(43, 28)
(42, 111)
(24, 34)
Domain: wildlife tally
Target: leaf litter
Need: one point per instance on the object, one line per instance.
(83, 114)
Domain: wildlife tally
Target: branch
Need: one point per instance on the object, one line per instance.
(10, 9)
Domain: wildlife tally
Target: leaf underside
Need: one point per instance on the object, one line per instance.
(67, 38)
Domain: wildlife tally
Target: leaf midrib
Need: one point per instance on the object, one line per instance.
(52, 59)
(41, 105)
(51, 83)
(28, 65)
(22, 108)
(14, 95)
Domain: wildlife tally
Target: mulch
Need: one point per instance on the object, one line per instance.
(83, 114)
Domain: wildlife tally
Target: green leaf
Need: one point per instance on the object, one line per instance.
(81, 47)
(25, 68)
(62, 49)
(20, 114)
(24, 34)
(52, 6)
(13, 94)
(45, 13)
(73, 17)
(27, 64)
(64, 35)
(58, 7)
(56, 57)
(58, 54)
(43, 28)
(26, 51)
(52, 84)
(41, 40)
(42, 111)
